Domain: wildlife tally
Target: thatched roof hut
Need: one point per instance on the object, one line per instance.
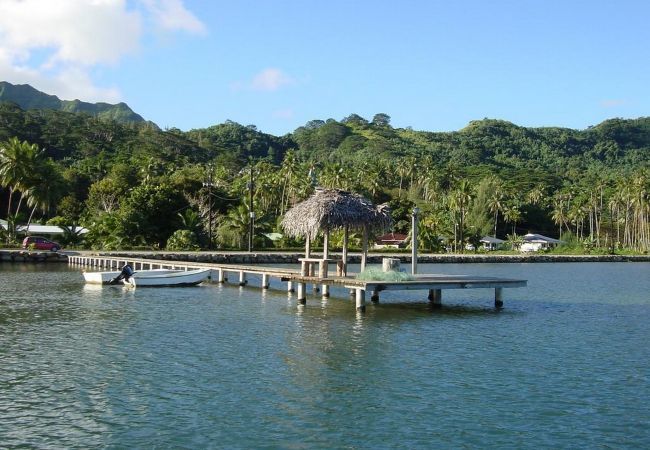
(330, 209)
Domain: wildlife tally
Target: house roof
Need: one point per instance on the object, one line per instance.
(532, 237)
(492, 240)
(392, 238)
(46, 229)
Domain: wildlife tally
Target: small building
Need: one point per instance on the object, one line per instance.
(41, 230)
(391, 240)
(491, 243)
(536, 242)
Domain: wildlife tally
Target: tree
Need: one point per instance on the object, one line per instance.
(459, 202)
(234, 229)
(142, 210)
(18, 165)
(512, 214)
(381, 120)
(47, 187)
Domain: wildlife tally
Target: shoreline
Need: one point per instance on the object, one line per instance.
(239, 257)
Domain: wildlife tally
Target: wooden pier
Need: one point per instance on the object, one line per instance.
(298, 280)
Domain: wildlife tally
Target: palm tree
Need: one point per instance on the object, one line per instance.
(47, 186)
(495, 200)
(336, 175)
(536, 195)
(512, 214)
(559, 214)
(236, 225)
(18, 161)
(459, 201)
(191, 220)
(404, 169)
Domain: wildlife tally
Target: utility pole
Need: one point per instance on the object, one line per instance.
(251, 213)
(414, 240)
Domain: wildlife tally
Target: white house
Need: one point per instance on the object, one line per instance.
(491, 243)
(536, 242)
(41, 230)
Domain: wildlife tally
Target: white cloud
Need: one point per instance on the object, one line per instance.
(73, 31)
(171, 15)
(53, 45)
(270, 79)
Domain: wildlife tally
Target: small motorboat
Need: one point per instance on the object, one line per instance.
(155, 277)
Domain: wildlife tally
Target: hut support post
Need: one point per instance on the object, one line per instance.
(308, 246)
(375, 296)
(435, 297)
(498, 297)
(344, 268)
(364, 250)
(326, 242)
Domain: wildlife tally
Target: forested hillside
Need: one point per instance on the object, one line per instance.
(27, 97)
(491, 177)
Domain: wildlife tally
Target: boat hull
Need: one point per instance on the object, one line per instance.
(153, 278)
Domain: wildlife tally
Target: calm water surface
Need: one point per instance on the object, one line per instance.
(566, 364)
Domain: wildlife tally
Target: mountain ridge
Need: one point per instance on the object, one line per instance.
(28, 97)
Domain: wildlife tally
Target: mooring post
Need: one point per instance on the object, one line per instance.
(361, 299)
(290, 286)
(265, 281)
(242, 278)
(375, 296)
(498, 297)
(302, 298)
(435, 297)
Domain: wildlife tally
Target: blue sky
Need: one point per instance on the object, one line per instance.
(431, 65)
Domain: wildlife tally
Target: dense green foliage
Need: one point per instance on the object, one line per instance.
(135, 185)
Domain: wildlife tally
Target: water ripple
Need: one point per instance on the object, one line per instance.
(223, 367)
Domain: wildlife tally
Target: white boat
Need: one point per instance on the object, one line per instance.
(156, 277)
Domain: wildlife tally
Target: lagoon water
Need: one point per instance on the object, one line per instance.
(566, 364)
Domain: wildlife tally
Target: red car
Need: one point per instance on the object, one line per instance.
(40, 243)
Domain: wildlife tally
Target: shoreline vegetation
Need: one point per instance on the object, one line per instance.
(230, 184)
(264, 257)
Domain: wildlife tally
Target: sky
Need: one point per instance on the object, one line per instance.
(277, 64)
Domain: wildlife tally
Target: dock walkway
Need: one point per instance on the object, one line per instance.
(297, 281)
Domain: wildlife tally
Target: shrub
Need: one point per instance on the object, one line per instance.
(183, 240)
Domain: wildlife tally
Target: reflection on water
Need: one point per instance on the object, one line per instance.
(564, 364)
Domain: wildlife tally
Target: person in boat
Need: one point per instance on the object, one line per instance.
(125, 274)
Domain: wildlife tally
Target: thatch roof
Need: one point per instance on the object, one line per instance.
(329, 209)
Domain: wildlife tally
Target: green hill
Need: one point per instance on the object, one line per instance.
(27, 97)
